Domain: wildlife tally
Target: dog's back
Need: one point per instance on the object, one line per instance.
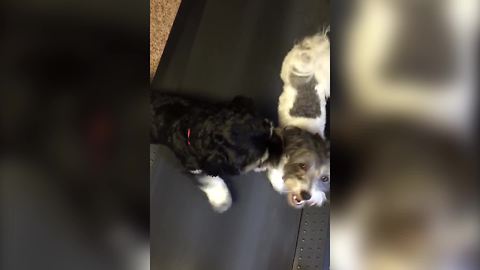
(165, 110)
(216, 138)
(306, 76)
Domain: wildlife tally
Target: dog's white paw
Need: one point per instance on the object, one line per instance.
(222, 206)
(217, 193)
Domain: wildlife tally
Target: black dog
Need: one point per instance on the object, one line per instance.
(211, 140)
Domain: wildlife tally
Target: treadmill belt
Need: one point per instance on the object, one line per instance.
(218, 49)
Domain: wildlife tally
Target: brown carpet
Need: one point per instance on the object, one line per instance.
(162, 15)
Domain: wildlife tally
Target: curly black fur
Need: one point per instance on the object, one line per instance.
(224, 138)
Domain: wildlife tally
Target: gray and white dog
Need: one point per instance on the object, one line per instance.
(303, 170)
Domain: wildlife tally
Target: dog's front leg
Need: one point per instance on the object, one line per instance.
(217, 192)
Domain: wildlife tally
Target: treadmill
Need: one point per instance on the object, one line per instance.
(218, 49)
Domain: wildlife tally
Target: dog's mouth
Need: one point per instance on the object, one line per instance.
(295, 200)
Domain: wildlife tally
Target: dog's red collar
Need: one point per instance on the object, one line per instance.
(188, 136)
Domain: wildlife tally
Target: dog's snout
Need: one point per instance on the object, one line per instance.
(305, 195)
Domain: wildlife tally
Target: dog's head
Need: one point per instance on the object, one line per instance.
(237, 139)
(306, 172)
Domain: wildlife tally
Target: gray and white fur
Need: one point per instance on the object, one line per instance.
(303, 170)
(306, 85)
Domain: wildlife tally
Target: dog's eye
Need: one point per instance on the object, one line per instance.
(325, 178)
(302, 166)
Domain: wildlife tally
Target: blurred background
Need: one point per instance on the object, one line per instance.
(74, 134)
(404, 117)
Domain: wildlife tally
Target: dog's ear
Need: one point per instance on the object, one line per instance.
(289, 133)
(322, 145)
(293, 139)
(291, 130)
(327, 146)
(241, 103)
(325, 150)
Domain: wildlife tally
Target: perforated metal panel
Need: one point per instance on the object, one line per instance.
(313, 240)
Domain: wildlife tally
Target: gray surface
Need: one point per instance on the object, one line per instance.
(258, 232)
(219, 49)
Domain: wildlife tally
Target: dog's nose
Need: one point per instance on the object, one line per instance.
(305, 195)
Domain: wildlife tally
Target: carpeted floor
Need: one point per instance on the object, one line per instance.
(162, 15)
